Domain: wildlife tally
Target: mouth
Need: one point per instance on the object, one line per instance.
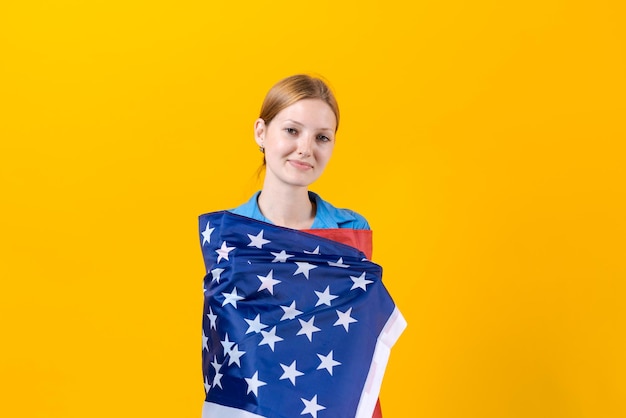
(301, 165)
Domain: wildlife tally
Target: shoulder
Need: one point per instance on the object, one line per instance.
(329, 216)
(246, 208)
(250, 209)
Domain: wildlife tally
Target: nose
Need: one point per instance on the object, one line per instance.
(305, 145)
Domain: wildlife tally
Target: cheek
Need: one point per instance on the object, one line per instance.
(328, 151)
(277, 151)
(281, 145)
(324, 156)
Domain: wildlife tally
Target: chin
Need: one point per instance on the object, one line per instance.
(300, 183)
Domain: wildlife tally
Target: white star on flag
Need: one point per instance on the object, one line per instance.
(311, 407)
(255, 325)
(231, 298)
(339, 263)
(268, 282)
(207, 385)
(280, 257)
(217, 380)
(216, 365)
(254, 383)
(324, 298)
(327, 362)
(217, 274)
(205, 341)
(290, 372)
(270, 338)
(360, 282)
(218, 376)
(234, 355)
(290, 311)
(316, 251)
(304, 268)
(307, 328)
(206, 234)
(257, 240)
(223, 251)
(345, 319)
(212, 319)
(228, 345)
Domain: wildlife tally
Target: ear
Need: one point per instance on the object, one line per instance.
(259, 131)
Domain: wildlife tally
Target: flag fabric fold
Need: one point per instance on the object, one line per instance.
(294, 324)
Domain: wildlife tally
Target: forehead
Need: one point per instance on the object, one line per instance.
(314, 113)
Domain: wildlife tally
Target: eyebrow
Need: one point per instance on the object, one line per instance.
(301, 124)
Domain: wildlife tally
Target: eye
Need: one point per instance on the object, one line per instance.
(323, 138)
(291, 131)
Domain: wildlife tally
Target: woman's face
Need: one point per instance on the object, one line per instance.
(298, 143)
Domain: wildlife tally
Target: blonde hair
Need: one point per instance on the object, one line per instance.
(295, 88)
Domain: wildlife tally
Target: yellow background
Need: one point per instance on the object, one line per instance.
(483, 140)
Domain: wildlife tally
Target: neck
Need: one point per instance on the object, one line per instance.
(288, 207)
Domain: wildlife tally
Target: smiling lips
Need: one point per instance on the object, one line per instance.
(301, 165)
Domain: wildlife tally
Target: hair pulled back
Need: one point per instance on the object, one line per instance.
(295, 88)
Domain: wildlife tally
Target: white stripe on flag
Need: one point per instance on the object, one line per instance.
(213, 410)
(387, 338)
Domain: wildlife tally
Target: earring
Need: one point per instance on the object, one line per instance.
(262, 149)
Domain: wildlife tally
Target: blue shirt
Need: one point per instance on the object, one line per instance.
(326, 215)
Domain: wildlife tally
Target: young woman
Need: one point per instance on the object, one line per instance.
(296, 319)
(296, 132)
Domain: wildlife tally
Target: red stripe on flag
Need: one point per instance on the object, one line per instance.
(360, 239)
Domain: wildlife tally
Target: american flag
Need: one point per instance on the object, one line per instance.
(294, 324)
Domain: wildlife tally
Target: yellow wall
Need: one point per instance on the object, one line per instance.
(483, 140)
